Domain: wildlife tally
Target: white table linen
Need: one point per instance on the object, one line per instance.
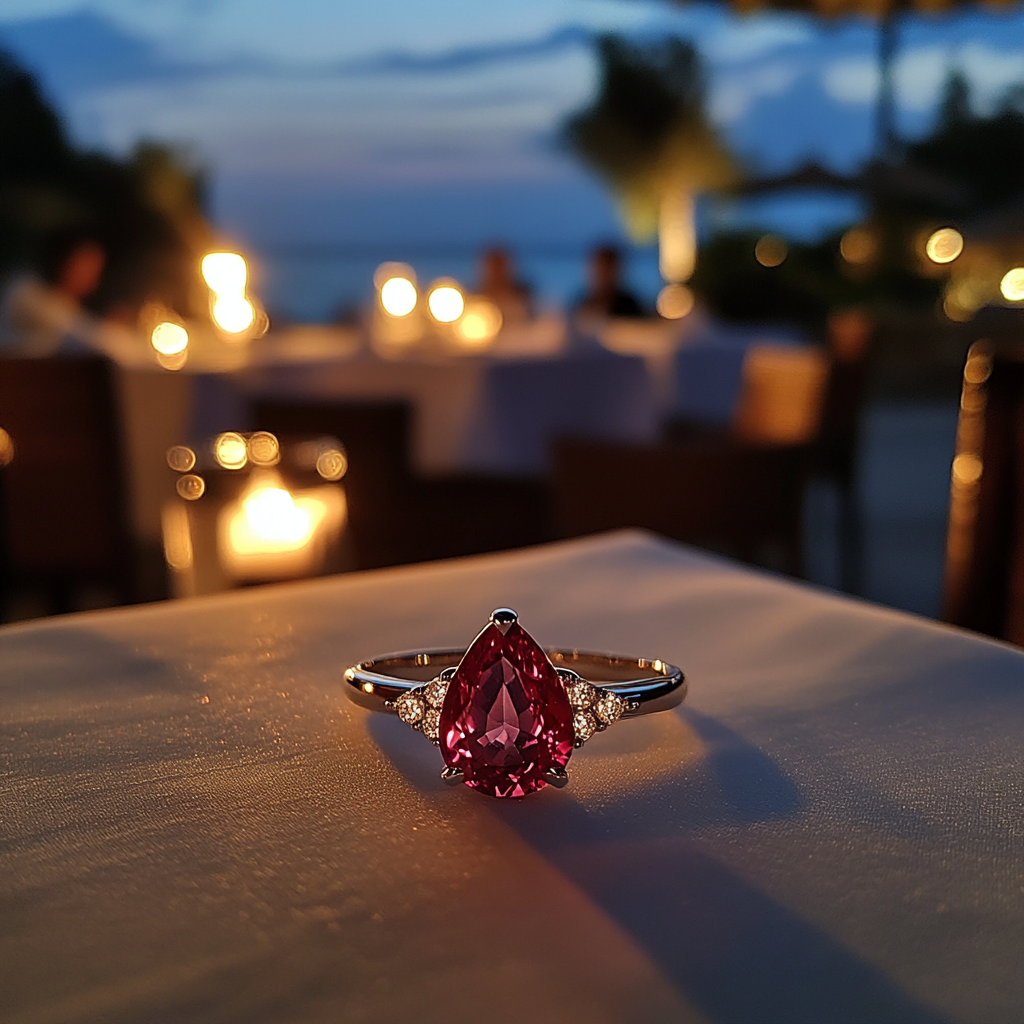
(198, 826)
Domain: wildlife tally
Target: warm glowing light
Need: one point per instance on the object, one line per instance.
(1012, 285)
(191, 487)
(967, 469)
(332, 464)
(398, 296)
(233, 313)
(225, 273)
(177, 536)
(858, 246)
(169, 339)
(675, 301)
(271, 533)
(181, 458)
(230, 451)
(944, 245)
(479, 323)
(770, 251)
(271, 520)
(6, 448)
(445, 303)
(264, 449)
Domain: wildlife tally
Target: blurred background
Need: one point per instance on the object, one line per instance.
(290, 290)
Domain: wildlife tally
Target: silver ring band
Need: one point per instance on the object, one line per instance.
(647, 686)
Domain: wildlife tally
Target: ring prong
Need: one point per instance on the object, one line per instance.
(452, 776)
(557, 777)
(504, 619)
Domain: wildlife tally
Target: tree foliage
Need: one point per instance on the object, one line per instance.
(646, 131)
(147, 210)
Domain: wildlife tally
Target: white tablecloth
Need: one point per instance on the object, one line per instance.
(198, 826)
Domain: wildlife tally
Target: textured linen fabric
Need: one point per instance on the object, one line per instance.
(198, 826)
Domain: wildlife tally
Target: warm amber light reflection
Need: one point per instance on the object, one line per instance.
(771, 251)
(944, 245)
(264, 449)
(1012, 285)
(181, 458)
(398, 296)
(445, 303)
(169, 339)
(271, 520)
(230, 450)
(332, 464)
(225, 273)
(479, 324)
(191, 487)
(177, 537)
(675, 301)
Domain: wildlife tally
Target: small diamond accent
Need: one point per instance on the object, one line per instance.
(609, 707)
(581, 694)
(584, 725)
(435, 692)
(431, 725)
(410, 707)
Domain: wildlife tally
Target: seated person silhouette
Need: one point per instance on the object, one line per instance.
(42, 315)
(499, 284)
(607, 297)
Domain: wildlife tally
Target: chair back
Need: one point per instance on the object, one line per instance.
(63, 486)
(782, 394)
(735, 498)
(984, 581)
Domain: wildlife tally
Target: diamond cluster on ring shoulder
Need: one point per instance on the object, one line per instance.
(593, 709)
(421, 708)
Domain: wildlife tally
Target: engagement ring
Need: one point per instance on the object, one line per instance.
(506, 714)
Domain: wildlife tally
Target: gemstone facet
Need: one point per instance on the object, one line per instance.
(506, 719)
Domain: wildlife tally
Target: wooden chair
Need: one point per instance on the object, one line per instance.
(984, 582)
(65, 522)
(736, 498)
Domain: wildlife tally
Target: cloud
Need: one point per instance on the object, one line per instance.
(734, 94)
(852, 80)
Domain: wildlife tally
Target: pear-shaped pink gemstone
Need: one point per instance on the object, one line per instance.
(506, 719)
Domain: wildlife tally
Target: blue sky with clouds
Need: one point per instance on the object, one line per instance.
(331, 121)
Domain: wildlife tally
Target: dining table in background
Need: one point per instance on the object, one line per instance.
(198, 825)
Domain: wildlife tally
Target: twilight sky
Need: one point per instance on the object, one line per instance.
(336, 121)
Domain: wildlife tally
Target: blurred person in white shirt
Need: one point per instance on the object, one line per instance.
(43, 314)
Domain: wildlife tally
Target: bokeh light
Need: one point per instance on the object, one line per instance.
(264, 449)
(858, 246)
(233, 314)
(332, 464)
(944, 245)
(398, 296)
(675, 301)
(191, 487)
(1012, 285)
(181, 458)
(6, 448)
(771, 250)
(225, 273)
(480, 323)
(230, 451)
(169, 339)
(445, 303)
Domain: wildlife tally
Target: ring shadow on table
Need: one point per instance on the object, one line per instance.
(736, 954)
